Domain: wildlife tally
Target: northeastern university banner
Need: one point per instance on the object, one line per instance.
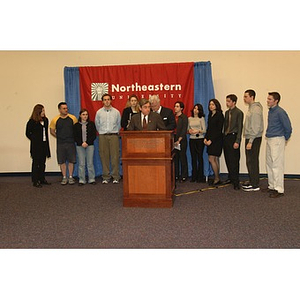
(188, 82)
(172, 82)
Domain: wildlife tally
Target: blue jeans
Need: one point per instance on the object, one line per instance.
(86, 154)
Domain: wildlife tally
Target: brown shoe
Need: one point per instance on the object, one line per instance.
(267, 190)
(276, 195)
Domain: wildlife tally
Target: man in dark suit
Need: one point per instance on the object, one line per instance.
(166, 113)
(146, 119)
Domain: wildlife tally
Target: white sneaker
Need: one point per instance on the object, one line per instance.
(250, 188)
(105, 181)
(116, 181)
(71, 180)
(64, 181)
(246, 185)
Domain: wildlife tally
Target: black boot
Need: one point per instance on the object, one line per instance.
(37, 184)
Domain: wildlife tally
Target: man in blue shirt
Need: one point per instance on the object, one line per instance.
(278, 132)
(108, 124)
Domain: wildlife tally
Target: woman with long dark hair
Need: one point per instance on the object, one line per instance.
(180, 142)
(132, 107)
(37, 132)
(197, 129)
(214, 137)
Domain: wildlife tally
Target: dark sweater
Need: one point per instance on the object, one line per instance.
(126, 117)
(181, 127)
(90, 132)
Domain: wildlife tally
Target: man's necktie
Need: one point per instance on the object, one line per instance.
(229, 123)
(144, 123)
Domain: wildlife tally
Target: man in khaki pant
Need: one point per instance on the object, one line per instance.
(278, 132)
(108, 124)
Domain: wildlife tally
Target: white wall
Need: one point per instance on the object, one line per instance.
(31, 77)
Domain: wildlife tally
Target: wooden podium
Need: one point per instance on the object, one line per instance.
(148, 169)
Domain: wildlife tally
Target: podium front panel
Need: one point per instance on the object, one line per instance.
(143, 179)
(141, 145)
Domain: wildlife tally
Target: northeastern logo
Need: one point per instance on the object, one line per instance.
(163, 90)
(98, 90)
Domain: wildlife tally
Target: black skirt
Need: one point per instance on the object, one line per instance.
(215, 148)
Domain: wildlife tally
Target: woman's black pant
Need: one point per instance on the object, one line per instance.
(38, 169)
(196, 149)
(181, 165)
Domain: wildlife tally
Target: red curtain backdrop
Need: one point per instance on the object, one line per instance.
(172, 82)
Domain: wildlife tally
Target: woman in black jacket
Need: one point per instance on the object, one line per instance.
(37, 132)
(132, 108)
(214, 137)
(180, 142)
(85, 134)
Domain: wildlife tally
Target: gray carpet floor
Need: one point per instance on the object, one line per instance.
(92, 216)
